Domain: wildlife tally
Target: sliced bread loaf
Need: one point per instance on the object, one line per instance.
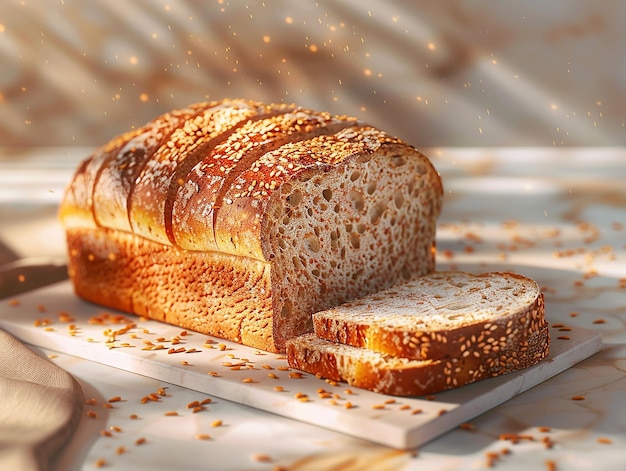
(240, 219)
(397, 376)
(441, 315)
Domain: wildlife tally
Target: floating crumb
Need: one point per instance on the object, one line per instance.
(578, 398)
(604, 440)
(140, 441)
(203, 436)
(171, 413)
(261, 458)
(100, 463)
(216, 423)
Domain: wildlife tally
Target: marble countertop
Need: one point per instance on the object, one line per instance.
(555, 214)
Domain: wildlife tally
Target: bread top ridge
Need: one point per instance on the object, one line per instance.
(432, 315)
(203, 177)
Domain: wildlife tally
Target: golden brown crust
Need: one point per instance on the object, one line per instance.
(116, 177)
(365, 369)
(200, 194)
(208, 292)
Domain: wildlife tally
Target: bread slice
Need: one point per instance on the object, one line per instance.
(441, 316)
(240, 219)
(397, 376)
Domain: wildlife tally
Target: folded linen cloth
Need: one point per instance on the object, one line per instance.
(40, 407)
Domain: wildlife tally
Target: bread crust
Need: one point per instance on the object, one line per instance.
(396, 376)
(317, 231)
(207, 292)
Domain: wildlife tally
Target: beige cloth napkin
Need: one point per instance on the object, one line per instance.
(40, 407)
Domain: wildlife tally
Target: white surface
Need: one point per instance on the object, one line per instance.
(392, 427)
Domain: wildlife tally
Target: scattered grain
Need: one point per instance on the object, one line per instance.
(261, 458)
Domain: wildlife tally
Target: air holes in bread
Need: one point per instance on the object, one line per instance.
(357, 200)
(371, 187)
(327, 194)
(376, 211)
(312, 243)
(355, 175)
(355, 240)
(294, 198)
(285, 312)
(398, 198)
(397, 161)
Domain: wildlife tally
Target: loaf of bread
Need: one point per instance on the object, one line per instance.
(424, 336)
(240, 219)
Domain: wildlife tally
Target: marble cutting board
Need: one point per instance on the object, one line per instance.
(55, 319)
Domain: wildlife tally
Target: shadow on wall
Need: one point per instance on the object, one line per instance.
(474, 73)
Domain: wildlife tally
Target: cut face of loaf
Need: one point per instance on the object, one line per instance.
(440, 316)
(397, 376)
(240, 219)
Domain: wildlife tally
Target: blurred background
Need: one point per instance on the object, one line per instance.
(448, 73)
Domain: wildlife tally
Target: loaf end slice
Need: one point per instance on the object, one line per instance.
(440, 315)
(398, 376)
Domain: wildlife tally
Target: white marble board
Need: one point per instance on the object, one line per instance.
(54, 318)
